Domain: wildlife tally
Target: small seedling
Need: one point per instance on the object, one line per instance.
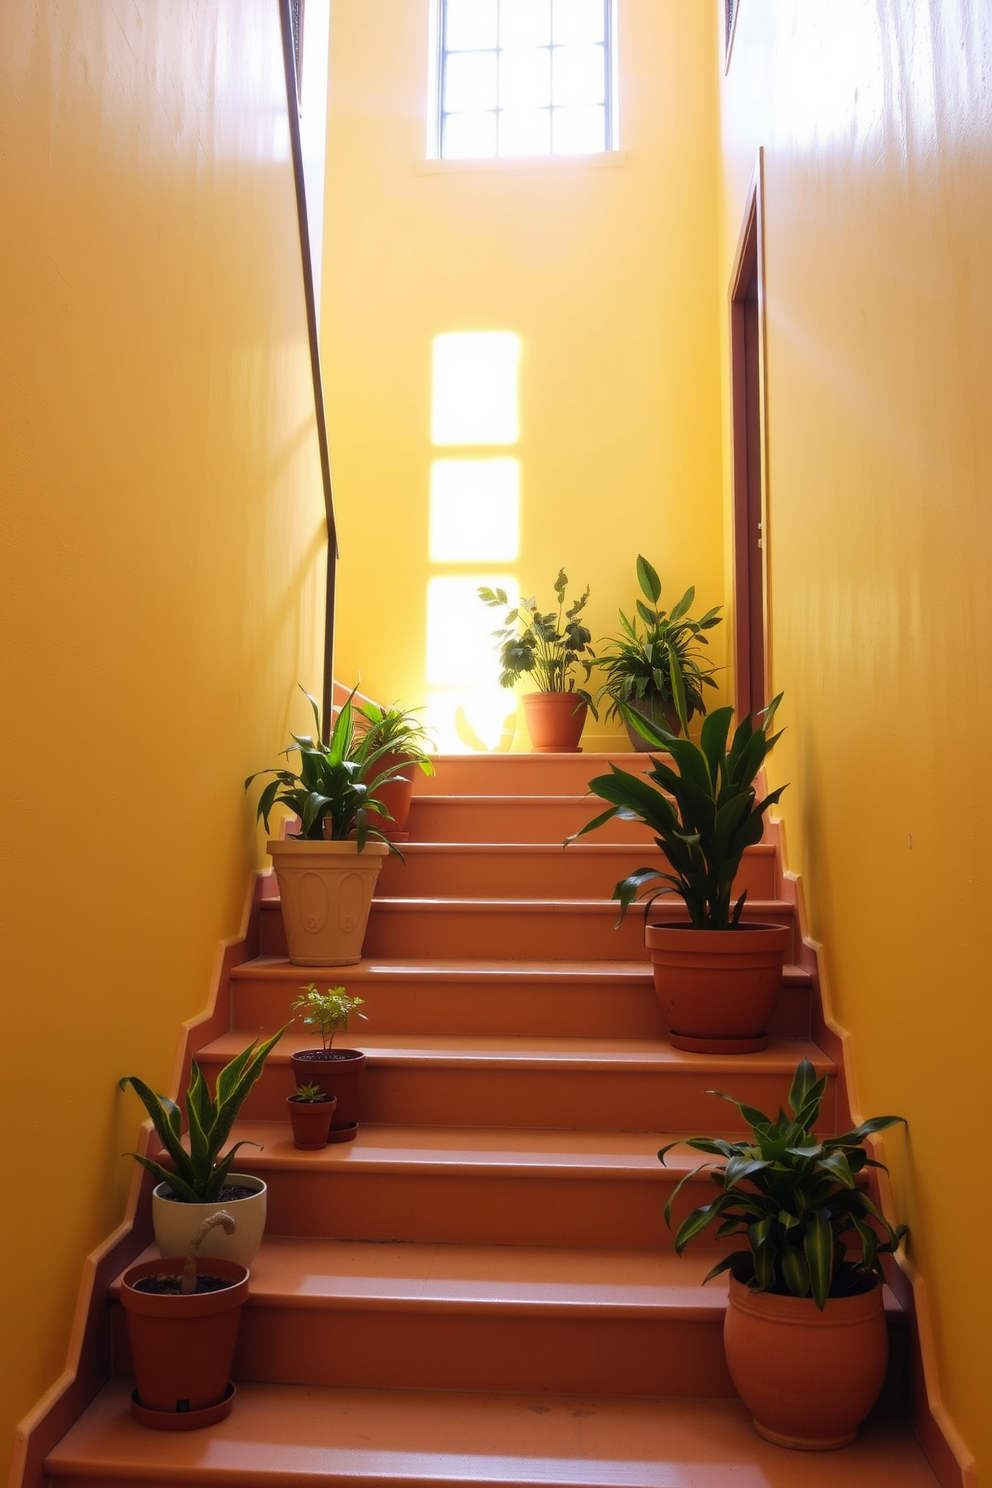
(327, 1011)
(310, 1094)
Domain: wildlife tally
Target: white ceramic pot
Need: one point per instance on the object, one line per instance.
(175, 1223)
(325, 890)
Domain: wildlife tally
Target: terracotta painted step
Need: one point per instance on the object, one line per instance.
(474, 1186)
(540, 871)
(590, 1084)
(445, 1317)
(548, 819)
(521, 774)
(598, 998)
(516, 929)
(307, 1436)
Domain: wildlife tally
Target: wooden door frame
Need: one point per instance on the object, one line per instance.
(748, 405)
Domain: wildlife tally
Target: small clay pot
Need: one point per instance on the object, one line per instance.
(311, 1121)
(808, 1377)
(555, 721)
(338, 1072)
(397, 797)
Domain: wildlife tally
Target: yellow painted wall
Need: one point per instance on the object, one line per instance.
(875, 119)
(162, 561)
(607, 274)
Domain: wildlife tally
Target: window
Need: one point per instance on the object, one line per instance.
(524, 77)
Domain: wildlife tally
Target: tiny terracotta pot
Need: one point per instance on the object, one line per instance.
(808, 1377)
(338, 1072)
(396, 795)
(311, 1121)
(182, 1348)
(555, 721)
(717, 988)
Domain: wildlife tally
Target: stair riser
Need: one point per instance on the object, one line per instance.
(491, 819)
(548, 1099)
(567, 1010)
(479, 1209)
(479, 1352)
(521, 774)
(513, 873)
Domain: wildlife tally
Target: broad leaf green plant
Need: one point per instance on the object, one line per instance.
(703, 809)
(335, 783)
(797, 1199)
(201, 1172)
(395, 730)
(328, 1011)
(637, 666)
(549, 647)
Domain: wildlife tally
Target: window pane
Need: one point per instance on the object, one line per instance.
(525, 23)
(475, 511)
(525, 79)
(469, 136)
(470, 82)
(470, 25)
(579, 75)
(578, 131)
(578, 21)
(525, 132)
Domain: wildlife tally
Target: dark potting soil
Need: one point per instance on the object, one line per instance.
(228, 1192)
(323, 1056)
(168, 1286)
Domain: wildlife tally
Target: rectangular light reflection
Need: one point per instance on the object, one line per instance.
(474, 397)
(475, 511)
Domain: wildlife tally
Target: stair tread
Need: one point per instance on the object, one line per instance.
(428, 969)
(504, 905)
(500, 1051)
(305, 1436)
(502, 1151)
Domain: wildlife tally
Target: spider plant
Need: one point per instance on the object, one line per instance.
(796, 1198)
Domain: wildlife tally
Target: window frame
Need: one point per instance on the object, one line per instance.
(436, 112)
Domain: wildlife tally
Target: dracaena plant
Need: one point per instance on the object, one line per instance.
(335, 783)
(797, 1199)
(395, 730)
(714, 815)
(328, 1011)
(201, 1172)
(550, 647)
(637, 665)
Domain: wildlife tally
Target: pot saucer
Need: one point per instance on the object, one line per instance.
(343, 1133)
(160, 1420)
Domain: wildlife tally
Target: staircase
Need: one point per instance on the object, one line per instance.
(481, 1288)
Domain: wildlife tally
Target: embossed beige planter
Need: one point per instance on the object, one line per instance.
(326, 892)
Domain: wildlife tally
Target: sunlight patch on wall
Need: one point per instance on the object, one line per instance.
(466, 707)
(474, 397)
(475, 511)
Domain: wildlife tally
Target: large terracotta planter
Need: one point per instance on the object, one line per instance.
(338, 1072)
(555, 721)
(325, 889)
(718, 988)
(311, 1121)
(397, 796)
(182, 1348)
(176, 1223)
(658, 711)
(808, 1377)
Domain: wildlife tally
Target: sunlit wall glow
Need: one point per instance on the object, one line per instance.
(474, 397)
(466, 708)
(475, 511)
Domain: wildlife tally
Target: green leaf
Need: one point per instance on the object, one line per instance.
(648, 580)
(818, 1249)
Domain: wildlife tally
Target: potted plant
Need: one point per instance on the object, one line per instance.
(327, 871)
(637, 667)
(182, 1328)
(805, 1334)
(310, 1112)
(717, 977)
(201, 1182)
(393, 738)
(550, 648)
(337, 1072)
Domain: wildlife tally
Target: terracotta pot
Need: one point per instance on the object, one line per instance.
(338, 1073)
(325, 889)
(311, 1121)
(808, 1377)
(176, 1223)
(182, 1348)
(659, 711)
(396, 795)
(718, 988)
(555, 721)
